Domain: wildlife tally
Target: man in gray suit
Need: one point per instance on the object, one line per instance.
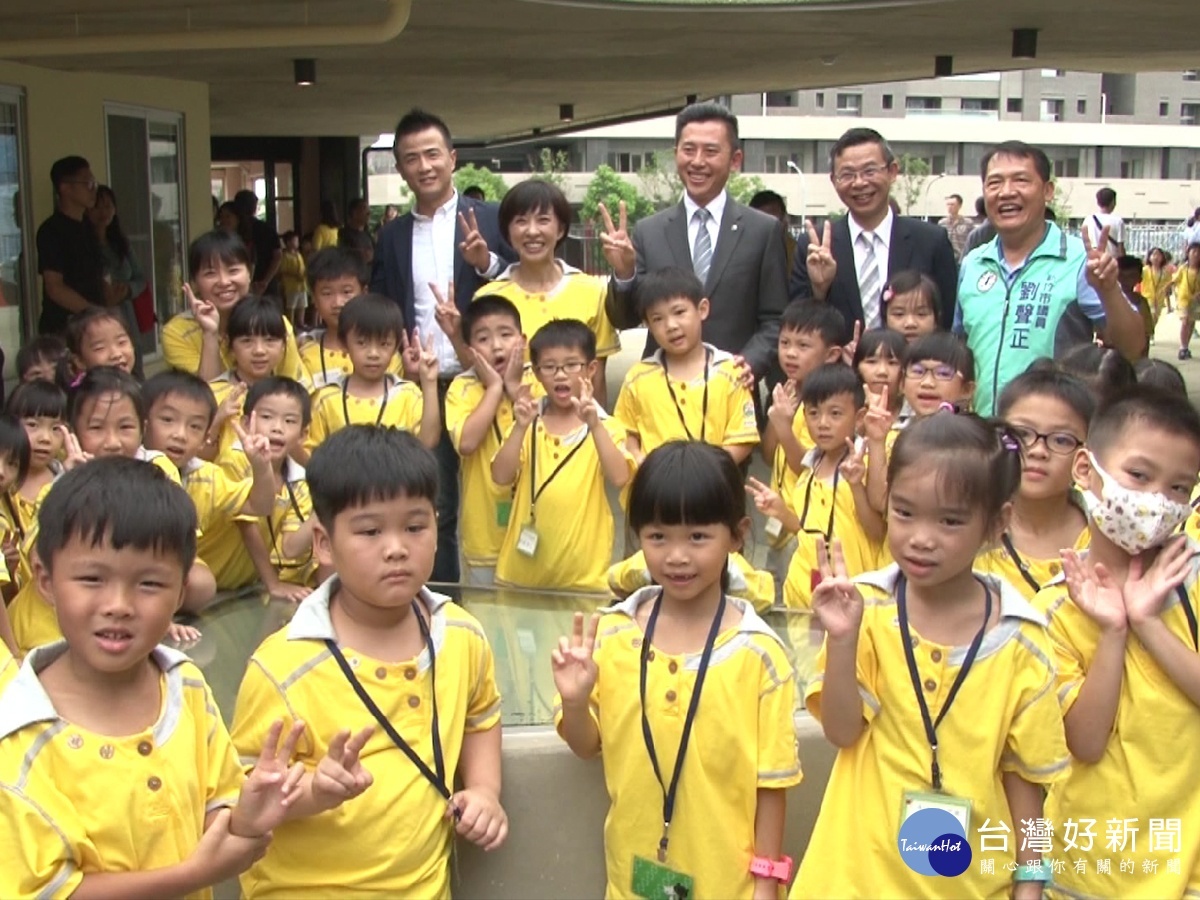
(736, 252)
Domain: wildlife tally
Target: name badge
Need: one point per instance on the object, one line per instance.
(527, 543)
(503, 511)
(655, 881)
(773, 528)
(959, 807)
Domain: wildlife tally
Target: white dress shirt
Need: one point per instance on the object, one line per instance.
(433, 240)
(883, 245)
(716, 208)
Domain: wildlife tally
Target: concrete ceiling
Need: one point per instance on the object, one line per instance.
(499, 68)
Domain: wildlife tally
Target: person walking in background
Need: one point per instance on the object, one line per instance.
(1105, 217)
(958, 227)
(1156, 280)
(354, 235)
(292, 279)
(123, 276)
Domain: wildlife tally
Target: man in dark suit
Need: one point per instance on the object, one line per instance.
(856, 255)
(736, 252)
(444, 239)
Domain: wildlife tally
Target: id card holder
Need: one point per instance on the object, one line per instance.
(527, 543)
(959, 807)
(773, 528)
(655, 881)
(503, 511)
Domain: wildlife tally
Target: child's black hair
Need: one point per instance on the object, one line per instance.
(891, 342)
(569, 334)
(14, 443)
(1159, 373)
(78, 325)
(44, 348)
(489, 305)
(333, 264)
(1045, 379)
(38, 398)
(255, 316)
(185, 384)
(371, 316)
(911, 280)
(808, 315)
(279, 386)
(361, 464)
(943, 347)
(829, 381)
(978, 460)
(122, 502)
(216, 245)
(670, 283)
(1142, 407)
(100, 381)
(1105, 371)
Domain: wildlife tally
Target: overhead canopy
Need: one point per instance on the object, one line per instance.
(502, 68)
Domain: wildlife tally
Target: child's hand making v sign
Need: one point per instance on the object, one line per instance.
(575, 674)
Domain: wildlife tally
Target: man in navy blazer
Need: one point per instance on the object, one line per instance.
(871, 244)
(443, 239)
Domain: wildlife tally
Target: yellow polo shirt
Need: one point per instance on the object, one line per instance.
(182, 339)
(783, 479)
(394, 840)
(745, 581)
(401, 406)
(219, 500)
(1026, 574)
(324, 365)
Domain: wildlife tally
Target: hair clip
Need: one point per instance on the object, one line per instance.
(1010, 443)
(888, 294)
(78, 380)
(947, 407)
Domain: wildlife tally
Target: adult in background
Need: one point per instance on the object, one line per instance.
(265, 248)
(1035, 291)
(957, 226)
(354, 235)
(736, 252)
(983, 230)
(328, 232)
(773, 204)
(69, 257)
(1105, 216)
(123, 275)
(848, 265)
(443, 243)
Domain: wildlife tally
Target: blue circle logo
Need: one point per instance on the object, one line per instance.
(933, 842)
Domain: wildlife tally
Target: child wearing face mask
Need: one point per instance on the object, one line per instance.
(1123, 625)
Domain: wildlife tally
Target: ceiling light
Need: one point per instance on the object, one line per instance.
(943, 66)
(1024, 43)
(305, 71)
(566, 111)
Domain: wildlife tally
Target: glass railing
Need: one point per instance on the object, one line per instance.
(521, 625)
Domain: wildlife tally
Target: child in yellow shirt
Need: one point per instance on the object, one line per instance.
(687, 390)
(936, 686)
(716, 746)
(371, 328)
(117, 776)
(14, 463)
(98, 336)
(557, 456)
(745, 581)
(1123, 623)
(291, 278)
(373, 639)
(41, 407)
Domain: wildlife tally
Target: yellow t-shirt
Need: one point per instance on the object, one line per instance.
(1187, 286)
(1140, 776)
(323, 365)
(745, 581)
(1004, 719)
(401, 406)
(574, 521)
(74, 802)
(219, 500)
(826, 510)
(578, 296)
(291, 273)
(783, 479)
(221, 388)
(658, 411)
(1026, 574)
(394, 840)
(1154, 287)
(743, 739)
(182, 339)
(8, 665)
(480, 523)
(324, 236)
(293, 507)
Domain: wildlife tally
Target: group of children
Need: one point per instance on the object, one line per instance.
(1005, 608)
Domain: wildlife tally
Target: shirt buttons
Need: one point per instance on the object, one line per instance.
(635, 643)
(650, 656)
(414, 701)
(75, 742)
(107, 751)
(670, 696)
(145, 748)
(930, 685)
(915, 641)
(381, 673)
(673, 667)
(936, 655)
(154, 783)
(410, 674)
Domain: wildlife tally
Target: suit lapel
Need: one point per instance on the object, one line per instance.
(900, 248)
(677, 239)
(404, 238)
(847, 271)
(728, 236)
(460, 265)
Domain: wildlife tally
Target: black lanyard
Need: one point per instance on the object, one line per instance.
(16, 518)
(1021, 564)
(703, 402)
(689, 719)
(534, 490)
(346, 409)
(972, 651)
(324, 374)
(832, 503)
(1193, 626)
(275, 546)
(437, 775)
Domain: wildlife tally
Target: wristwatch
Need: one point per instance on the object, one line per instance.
(779, 869)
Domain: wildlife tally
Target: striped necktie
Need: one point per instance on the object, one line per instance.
(703, 250)
(869, 287)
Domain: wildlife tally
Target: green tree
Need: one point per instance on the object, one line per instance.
(660, 180)
(742, 187)
(493, 186)
(609, 188)
(914, 172)
(551, 166)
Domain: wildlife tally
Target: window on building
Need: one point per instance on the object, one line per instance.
(1052, 110)
(19, 309)
(922, 104)
(820, 99)
(1191, 74)
(1066, 168)
(1053, 73)
(1192, 171)
(849, 104)
(627, 162)
(887, 101)
(1133, 168)
(781, 98)
(1081, 107)
(1014, 105)
(1164, 109)
(980, 105)
(1189, 113)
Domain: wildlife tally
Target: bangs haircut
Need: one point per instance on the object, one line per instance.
(1162, 375)
(978, 461)
(1143, 407)
(535, 196)
(891, 342)
(14, 443)
(120, 502)
(1045, 379)
(279, 386)
(255, 316)
(563, 334)
(663, 285)
(371, 316)
(911, 280)
(38, 398)
(830, 380)
(945, 348)
(100, 381)
(48, 348)
(78, 325)
(489, 305)
(183, 384)
(334, 264)
(219, 246)
(809, 316)
(688, 483)
(362, 464)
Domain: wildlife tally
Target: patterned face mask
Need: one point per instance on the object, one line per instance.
(1133, 520)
